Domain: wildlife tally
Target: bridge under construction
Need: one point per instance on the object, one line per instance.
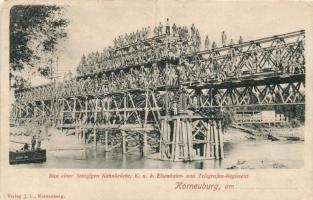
(165, 101)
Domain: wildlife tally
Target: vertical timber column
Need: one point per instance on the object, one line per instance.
(206, 147)
(220, 138)
(165, 139)
(85, 120)
(215, 133)
(106, 140)
(74, 117)
(185, 139)
(189, 135)
(125, 107)
(84, 135)
(95, 124)
(211, 148)
(177, 140)
(211, 139)
(166, 103)
(43, 111)
(146, 109)
(95, 137)
(145, 144)
(160, 140)
(168, 138)
(62, 112)
(173, 141)
(124, 142)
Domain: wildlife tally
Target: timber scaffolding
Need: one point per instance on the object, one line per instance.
(176, 117)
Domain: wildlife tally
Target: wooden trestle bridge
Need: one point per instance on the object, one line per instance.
(170, 104)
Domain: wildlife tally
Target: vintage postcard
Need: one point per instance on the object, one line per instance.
(156, 99)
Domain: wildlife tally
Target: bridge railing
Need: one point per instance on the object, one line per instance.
(283, 53)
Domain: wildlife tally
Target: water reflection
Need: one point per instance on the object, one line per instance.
(250, 154)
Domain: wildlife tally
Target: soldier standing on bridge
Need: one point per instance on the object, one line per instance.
(278, 59)
(232, 50)
(214, 45)
(192, 30)
(168, 27)
(240, 41)
(174, 28)
(206, 43)
(231, 42)
(224, 38)
(160, 29)
(155, 31)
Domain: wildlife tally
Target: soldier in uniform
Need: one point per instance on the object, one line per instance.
(168, 27)
(240, 41)
(206, 43)
(33, 143)
(160, 29)
(224, 39)
(214, 46)
(174, 28)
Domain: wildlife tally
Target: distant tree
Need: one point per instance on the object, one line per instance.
(35, 35)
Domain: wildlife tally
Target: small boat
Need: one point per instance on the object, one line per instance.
(28, 156)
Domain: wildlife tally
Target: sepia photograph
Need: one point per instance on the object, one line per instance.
(177, 86)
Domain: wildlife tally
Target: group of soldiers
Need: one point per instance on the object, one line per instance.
(35, 142)
(97, 62)
(127, 68)
(144, 33)
(223, 40)
(130, 50)
(214, 68)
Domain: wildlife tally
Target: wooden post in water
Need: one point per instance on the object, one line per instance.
(173, 142)
(211, 139)
(84, 135)
(166, 136)
(177, 140)
(106, 140)
(185, 138)
(161, 153)
(145, 144)
(215, 133)
(74, 118)
(124, 142)
(189, 135)
(220, 139)
(95, 137)
(206, 147)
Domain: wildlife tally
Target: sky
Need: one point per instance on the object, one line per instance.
(93, 26)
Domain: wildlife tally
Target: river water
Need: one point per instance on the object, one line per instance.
(247, 154)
